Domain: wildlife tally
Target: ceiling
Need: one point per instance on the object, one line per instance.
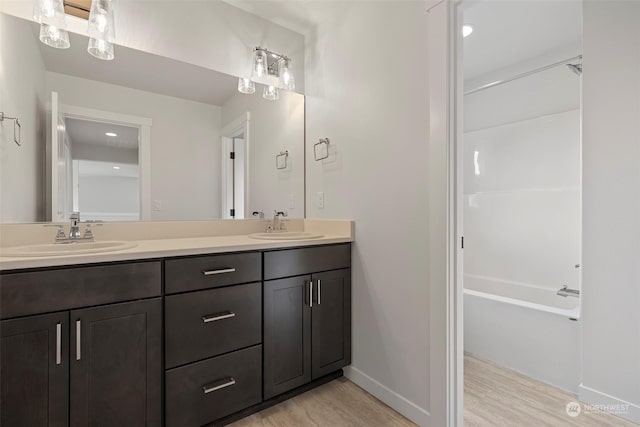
(295, 15)
(140, 70)
(93, 133)
(507, 33)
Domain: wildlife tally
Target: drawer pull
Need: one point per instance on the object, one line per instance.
(218, 316)
(222, 271)
(218, 385)
(58, 343)
(78, 338)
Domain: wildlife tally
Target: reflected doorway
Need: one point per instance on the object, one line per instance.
(105, 170)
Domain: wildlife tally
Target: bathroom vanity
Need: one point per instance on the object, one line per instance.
(187, 340)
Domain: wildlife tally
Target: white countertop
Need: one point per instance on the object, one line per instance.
(170, 247)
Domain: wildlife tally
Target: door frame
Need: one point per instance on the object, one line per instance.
(143, 124)
(446, 362)
(237, 127)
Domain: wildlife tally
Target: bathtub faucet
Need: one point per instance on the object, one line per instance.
(566, 292)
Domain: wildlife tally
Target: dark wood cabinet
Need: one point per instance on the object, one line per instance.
(307, 318)
(34, 371)
(331, 322)
(116, 369)
(83, 346)
(287, 334)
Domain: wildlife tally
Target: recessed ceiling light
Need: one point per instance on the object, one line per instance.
(111, 134)
(116, 167)
(466, 30)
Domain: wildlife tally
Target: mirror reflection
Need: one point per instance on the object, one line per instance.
(141, 137)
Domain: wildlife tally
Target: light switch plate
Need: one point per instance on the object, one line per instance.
(157, 205)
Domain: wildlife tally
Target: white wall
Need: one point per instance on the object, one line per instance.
(22, 95)
(611, 204)
(185, 142)
(360, 95)
(211, 34)
(522, 201)
(104, 153)
(109, 198)
(274, 126)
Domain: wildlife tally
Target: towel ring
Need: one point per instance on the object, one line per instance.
(284, 154)
(323, 141)
(17, 129)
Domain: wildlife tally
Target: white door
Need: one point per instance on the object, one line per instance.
(233, 177)
(61, 176)
(238, 177)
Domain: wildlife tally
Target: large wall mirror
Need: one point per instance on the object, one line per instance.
(141, 137)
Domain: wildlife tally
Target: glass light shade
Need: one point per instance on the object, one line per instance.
(101, 49)
(271, 93)
(259, 64)
(54, 36)
(246, 86)
(101, 23)
(50, 12)
(286, 76)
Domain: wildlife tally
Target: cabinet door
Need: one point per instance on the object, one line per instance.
(331, 322)
(287, 334)
(115, 363)
(34, 366)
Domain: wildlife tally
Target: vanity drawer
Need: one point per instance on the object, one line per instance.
(22, 294)
(189, 274)
(203, 324)
(295, 262)
(203, 392)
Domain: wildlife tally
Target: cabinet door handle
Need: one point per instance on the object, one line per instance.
(319, 287)
(218, 316)
(78, 339)
(221, 271)
(218, 385)
(310, 293)
(58, 343)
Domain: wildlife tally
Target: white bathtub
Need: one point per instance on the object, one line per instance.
(524, 328)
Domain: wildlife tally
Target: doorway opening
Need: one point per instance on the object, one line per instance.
(234, 170)
(99, 164)
(519, 206)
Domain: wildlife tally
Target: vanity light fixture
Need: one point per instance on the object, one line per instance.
(246, 86)
(116, 167)
(101, 30)
(271, 93)
(286, 76)
(111, 134)
(271, 69)
(467, 30)
(50, 15)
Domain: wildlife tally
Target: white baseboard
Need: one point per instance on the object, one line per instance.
(404, 406)
(595, 397)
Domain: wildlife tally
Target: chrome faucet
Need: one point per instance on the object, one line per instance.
(74, 231)
(566, 292)
(276, 226)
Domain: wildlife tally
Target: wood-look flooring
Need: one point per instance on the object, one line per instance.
(494, 397)
(335, 404)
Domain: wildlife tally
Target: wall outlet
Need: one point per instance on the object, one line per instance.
(292, 201)
(320, 199)
(157, 205)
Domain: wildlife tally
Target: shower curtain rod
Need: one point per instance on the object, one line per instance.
(525, 74)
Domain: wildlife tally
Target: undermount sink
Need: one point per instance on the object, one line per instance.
(286, 235)
(61, 249)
